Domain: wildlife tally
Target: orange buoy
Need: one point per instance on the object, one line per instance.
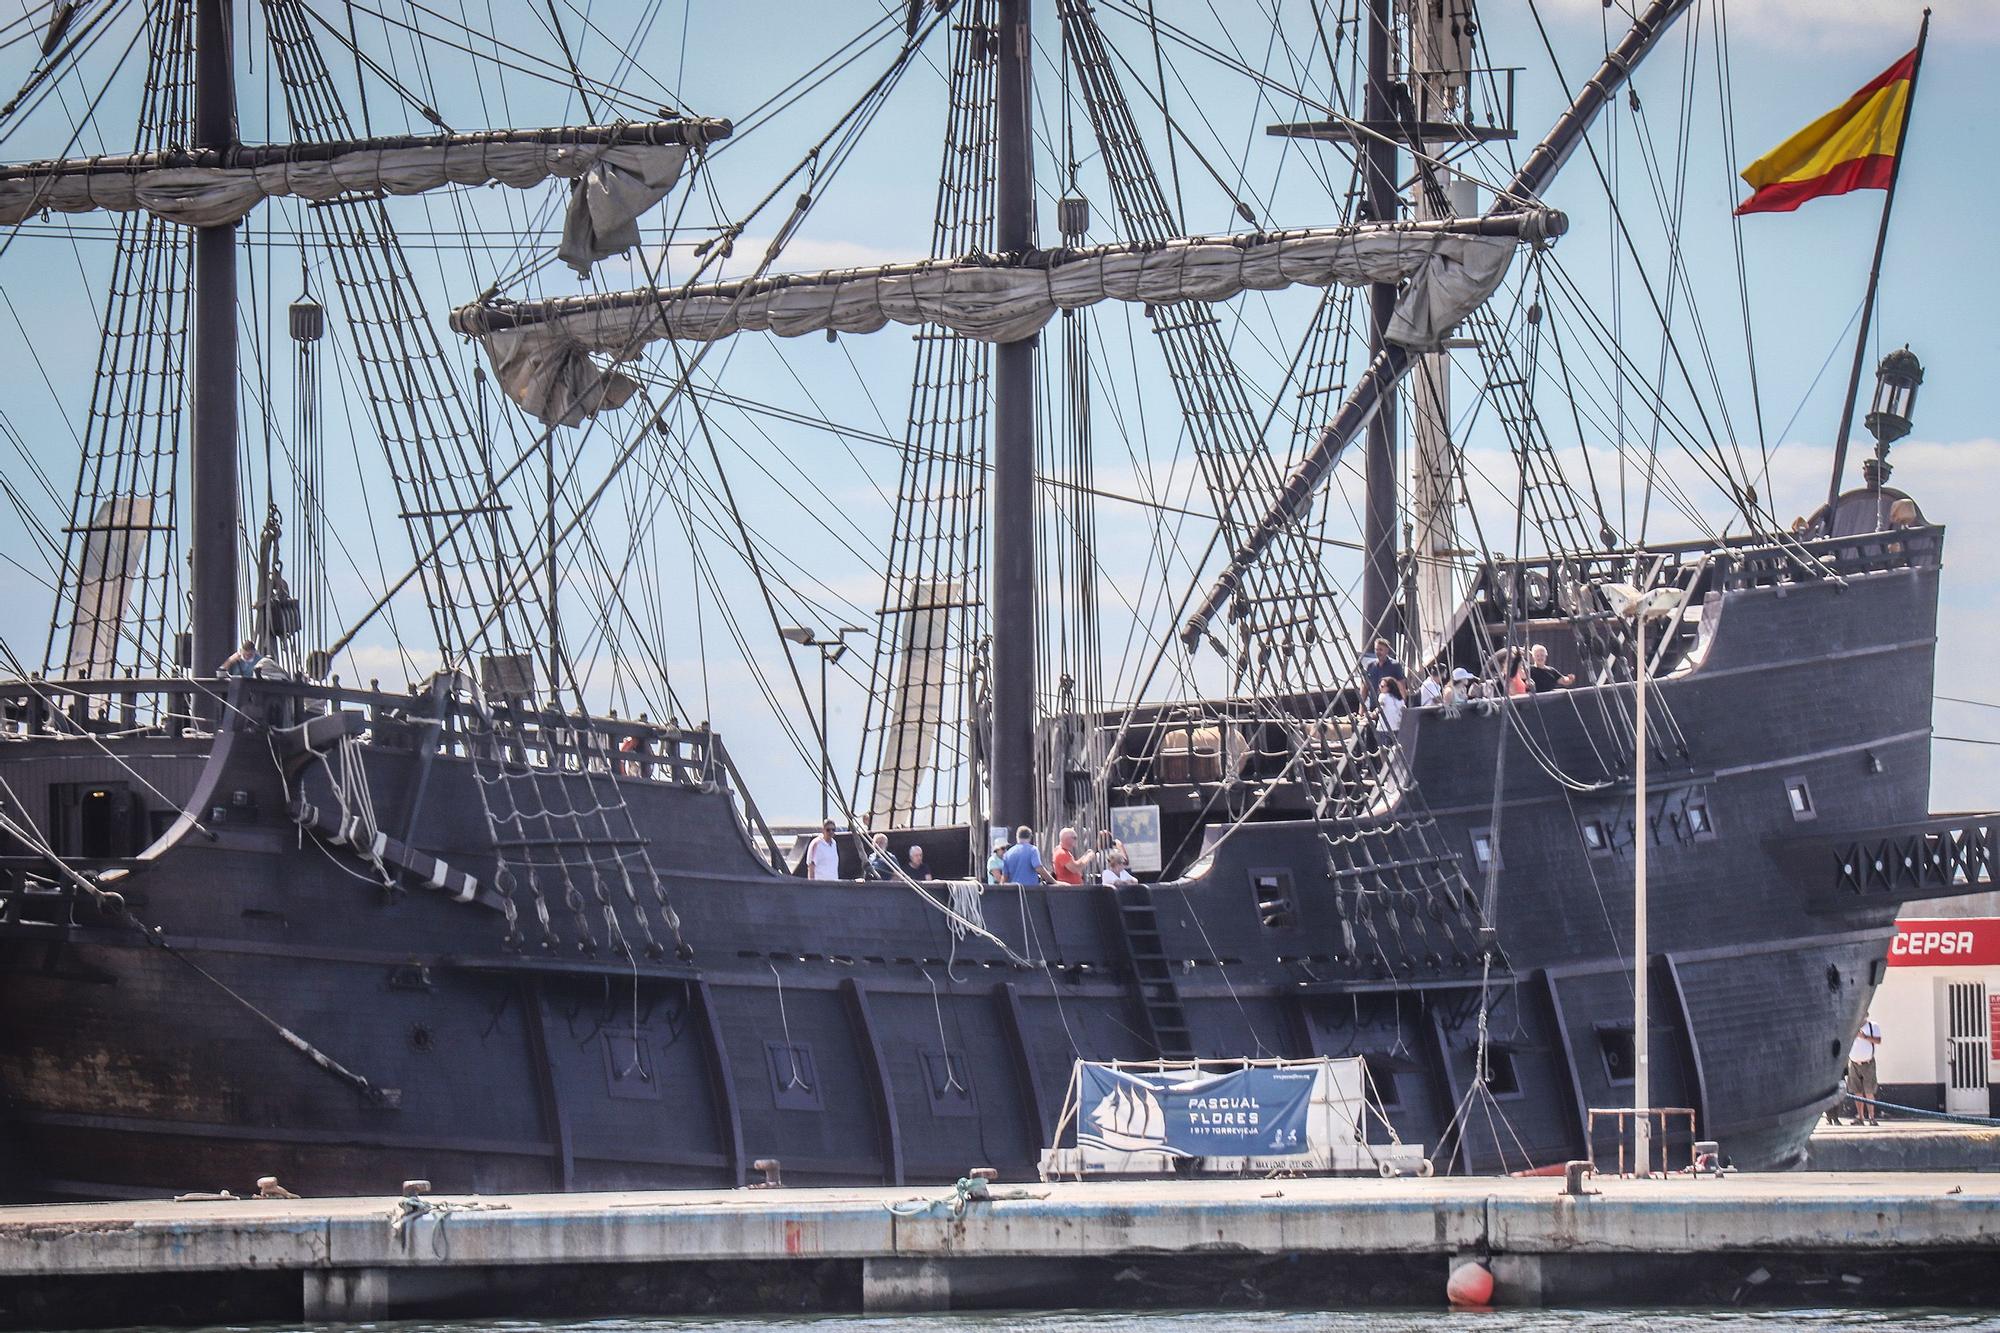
(1470, 1285)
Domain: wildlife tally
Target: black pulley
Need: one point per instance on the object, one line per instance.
(308, 320)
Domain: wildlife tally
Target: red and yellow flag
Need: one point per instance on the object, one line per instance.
(1852, 147)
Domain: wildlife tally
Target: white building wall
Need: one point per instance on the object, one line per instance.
(1910, 1003)
(1912, 1043)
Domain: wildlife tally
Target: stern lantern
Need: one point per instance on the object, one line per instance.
(1896, 383)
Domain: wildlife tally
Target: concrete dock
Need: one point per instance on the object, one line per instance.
(1032, 1245)
(1904, 1145)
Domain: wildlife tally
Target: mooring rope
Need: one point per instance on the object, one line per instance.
(1956, 1117)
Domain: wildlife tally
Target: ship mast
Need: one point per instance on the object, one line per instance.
(1430, 112)
(1379, 158)
(1440, 70)
(1376, 387)
(1011, 766)
(212, 456)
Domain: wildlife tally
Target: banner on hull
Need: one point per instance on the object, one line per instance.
(1156, 1117)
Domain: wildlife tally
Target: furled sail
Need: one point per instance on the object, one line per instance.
(541, 350)
(620, 171)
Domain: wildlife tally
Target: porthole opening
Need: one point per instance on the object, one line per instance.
(1799, 797)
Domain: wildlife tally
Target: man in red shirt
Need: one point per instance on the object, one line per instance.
(1067, 865)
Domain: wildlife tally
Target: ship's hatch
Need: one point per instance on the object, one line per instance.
(94, 820)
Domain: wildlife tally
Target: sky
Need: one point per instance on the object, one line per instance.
(819, 503)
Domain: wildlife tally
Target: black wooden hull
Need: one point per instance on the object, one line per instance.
(844, 1029)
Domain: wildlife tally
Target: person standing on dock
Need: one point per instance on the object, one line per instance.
(1861, 1079)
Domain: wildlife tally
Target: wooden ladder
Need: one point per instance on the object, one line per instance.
(1152, 973)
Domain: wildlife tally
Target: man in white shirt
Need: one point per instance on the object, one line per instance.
(823, 854)
(1861, 1072)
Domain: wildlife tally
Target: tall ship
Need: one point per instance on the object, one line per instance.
(364, 817)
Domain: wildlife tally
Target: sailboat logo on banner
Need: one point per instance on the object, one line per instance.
(1129, 1119)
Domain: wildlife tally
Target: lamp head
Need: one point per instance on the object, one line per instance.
(1896, 382)
(1627, 601)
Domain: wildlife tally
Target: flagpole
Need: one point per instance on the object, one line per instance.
(1874, 278)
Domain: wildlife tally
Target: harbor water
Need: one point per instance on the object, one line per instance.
(1250, 1321)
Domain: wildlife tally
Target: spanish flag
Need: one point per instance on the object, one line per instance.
(1850, 148)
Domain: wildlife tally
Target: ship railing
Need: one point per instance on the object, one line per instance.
(1842, 557)
(162, 707)
(551, 740)
(1545, 586)
(1553, 589)
(106, 709)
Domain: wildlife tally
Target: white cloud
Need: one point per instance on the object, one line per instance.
(805, 254)
(802, 254)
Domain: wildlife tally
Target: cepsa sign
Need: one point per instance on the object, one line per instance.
(1972, 941)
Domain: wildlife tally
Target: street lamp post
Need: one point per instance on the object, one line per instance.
(831, 650)
(1641, 607)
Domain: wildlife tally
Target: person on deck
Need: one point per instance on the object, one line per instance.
(1379, 664)
(1543, 676)
(996, 864)
(1389, 699)
(1024, 860)
(882, 863)
(1069, 867)
(1431, 692)
(1118, 871)
(916, 869)
(243, 662)
(1459, 690)
(823, 854)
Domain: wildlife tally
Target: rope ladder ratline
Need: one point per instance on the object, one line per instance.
(119, 586)
(932, 617)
